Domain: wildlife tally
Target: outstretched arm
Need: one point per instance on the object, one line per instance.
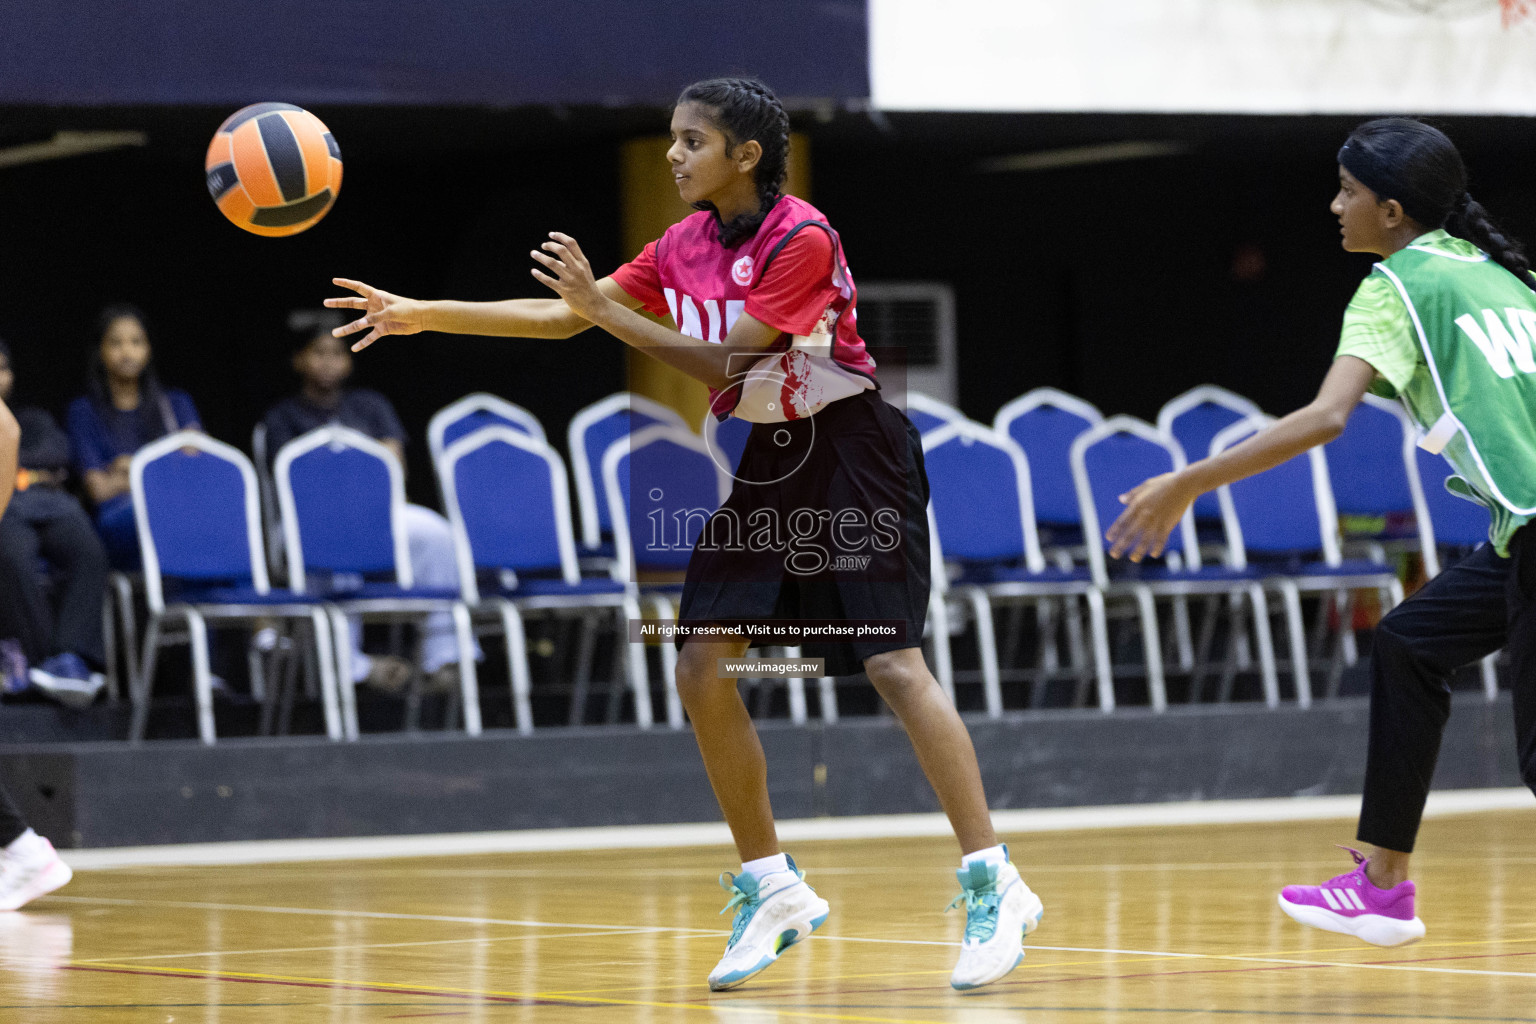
(386, 313)
(1155, 507)
(571, 277)
(10, 446)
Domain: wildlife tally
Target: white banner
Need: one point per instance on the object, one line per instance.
(1196, 56)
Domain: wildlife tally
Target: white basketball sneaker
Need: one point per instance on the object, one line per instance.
(29, 868)
(772, 913)
(999, 911)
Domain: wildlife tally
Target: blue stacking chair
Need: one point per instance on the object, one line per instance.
(662, 483)
(929, 414)
(1451, 522)
(199, 521)
(473, 411)
(1109, 460)
(592, 430)
(982, 519)
(1044, 423)
(1283, 524)
(342, 496)
(508, 499)
(1193, 419)
(728, 437)
(1371, 478)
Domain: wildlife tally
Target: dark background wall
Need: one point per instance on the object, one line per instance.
(1122, 282)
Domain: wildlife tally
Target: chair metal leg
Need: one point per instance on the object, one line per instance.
(1269, 677)
(341, 634)
(1300, 671)
(938, 616)
(469, 680)
(1184, 645)
(662, 607)
(202, 682)
(986, 642)
(1152, 645)
(1489, 668)
(517, 666)
(1098, 624)
(796, 687)
(140, 687)
(109, 644)
(638, 678)
(1045, 629)
(827, 690)
(122, 587)
(321, 624)
(1242, 654)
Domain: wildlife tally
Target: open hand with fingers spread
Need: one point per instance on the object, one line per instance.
(1153, 509)
(384, 312)
(570, 275)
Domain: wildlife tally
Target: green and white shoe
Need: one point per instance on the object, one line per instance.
(772, 913)
(999, 911)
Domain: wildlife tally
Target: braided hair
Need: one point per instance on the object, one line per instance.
(1416, 164)
(745, 109)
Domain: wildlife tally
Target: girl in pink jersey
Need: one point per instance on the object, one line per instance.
(762, 300)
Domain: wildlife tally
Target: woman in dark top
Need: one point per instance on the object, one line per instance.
(45, 521)
(124, 409)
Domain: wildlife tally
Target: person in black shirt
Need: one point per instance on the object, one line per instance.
(324, 365)
(29, 867)
(46, 524)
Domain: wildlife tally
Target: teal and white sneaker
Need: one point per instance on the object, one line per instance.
(999, 911)
(772, 913)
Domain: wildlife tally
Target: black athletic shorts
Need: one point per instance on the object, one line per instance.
(827, 522)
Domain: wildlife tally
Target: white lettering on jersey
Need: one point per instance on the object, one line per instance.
(712, 311)
(1498, 343)
(733, 310)
(689, 324)
(671, 294)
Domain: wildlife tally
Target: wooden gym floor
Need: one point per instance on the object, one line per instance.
(1147, 924)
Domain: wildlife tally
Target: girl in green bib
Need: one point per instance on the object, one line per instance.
(1447, 324)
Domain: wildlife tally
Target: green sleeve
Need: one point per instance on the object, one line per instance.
(1377, 330)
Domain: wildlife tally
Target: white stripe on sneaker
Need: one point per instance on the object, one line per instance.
(1333, 902)
(1355, 896)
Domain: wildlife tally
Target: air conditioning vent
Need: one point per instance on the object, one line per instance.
(919, 317)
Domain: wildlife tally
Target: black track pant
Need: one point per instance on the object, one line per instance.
(46, 523)
(1470, 610)
(12, 824)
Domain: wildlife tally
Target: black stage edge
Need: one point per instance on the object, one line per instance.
(113, 794)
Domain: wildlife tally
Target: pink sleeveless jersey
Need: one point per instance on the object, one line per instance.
(803, 289)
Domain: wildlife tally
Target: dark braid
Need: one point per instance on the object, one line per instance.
(1470, 221)
(1416, 164)
(745, 109)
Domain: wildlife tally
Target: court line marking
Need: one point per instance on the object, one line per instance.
(899, 826)
(699, 932)
(348, 947)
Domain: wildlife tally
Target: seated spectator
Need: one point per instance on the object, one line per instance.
(45, 522)
(124, 409)
(323, 364)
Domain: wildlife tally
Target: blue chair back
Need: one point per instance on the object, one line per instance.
(1456, 521)
(1365, 463)
(1044, 423)
(979, 486)
(665, 485)
(507, 496)
(592, 432)
(1193, 419)
(340, 493)
(470, 413)
(1109, 460)
(198, 513)
(1276, 512)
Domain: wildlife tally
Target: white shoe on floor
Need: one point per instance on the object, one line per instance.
(772, 913)
(999, 911)
(30, 867)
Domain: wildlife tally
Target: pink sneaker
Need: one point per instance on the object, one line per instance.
(1351, 904)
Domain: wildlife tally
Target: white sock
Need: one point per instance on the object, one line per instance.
(765, 865)
(995, 855)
